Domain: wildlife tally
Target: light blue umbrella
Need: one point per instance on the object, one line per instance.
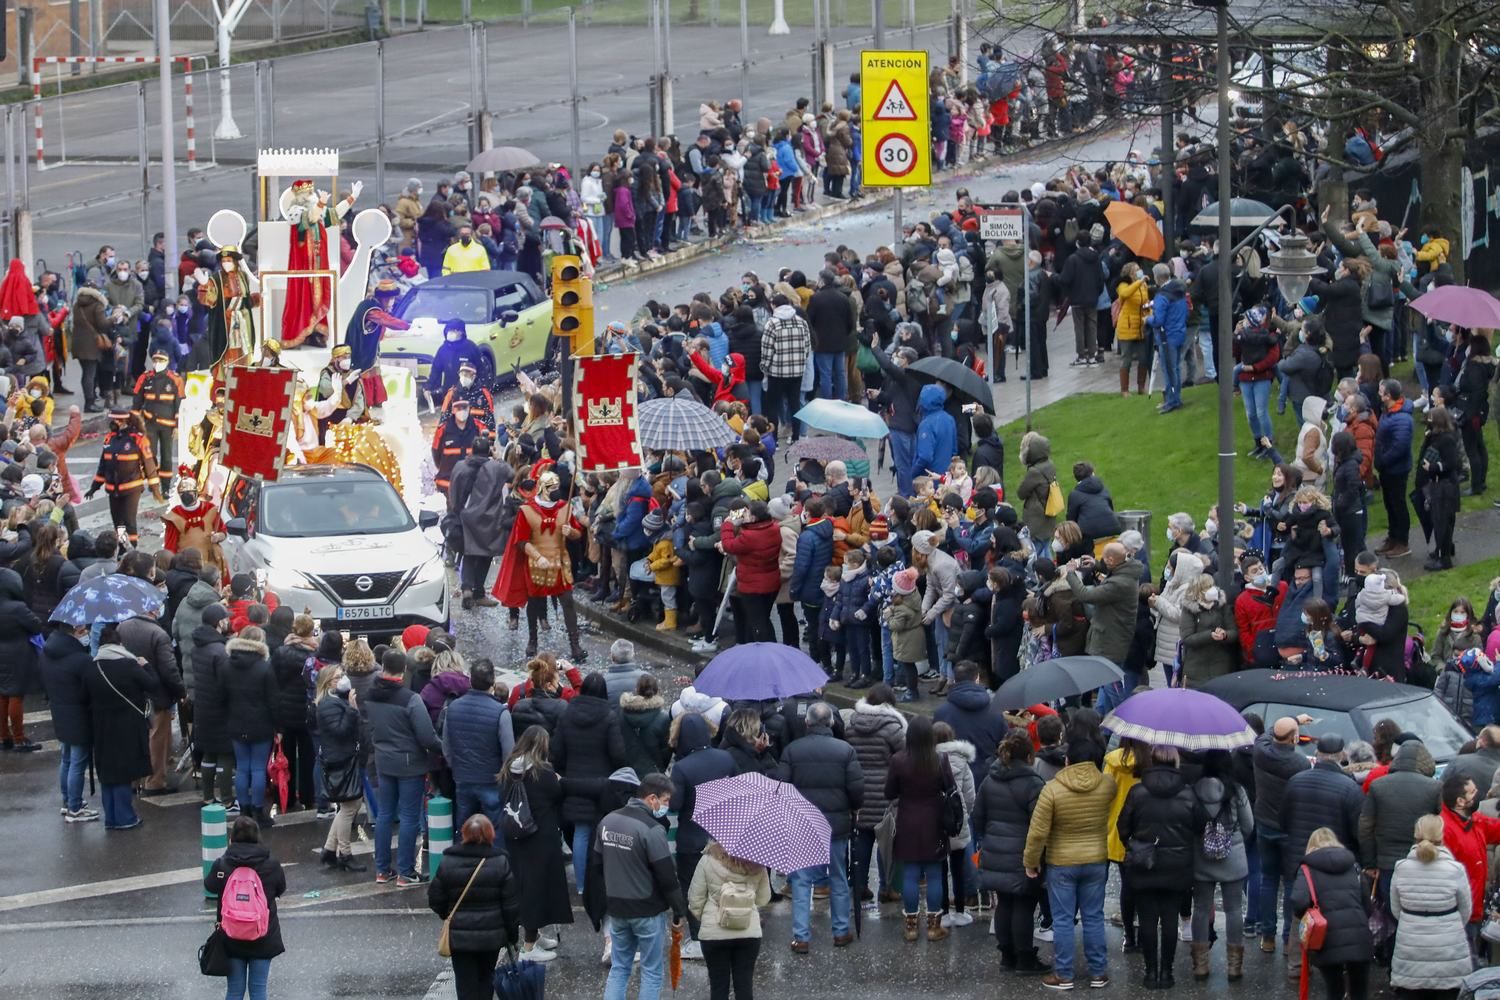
(838, 417)
(112, 598)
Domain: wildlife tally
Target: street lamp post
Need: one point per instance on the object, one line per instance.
(1225, 361)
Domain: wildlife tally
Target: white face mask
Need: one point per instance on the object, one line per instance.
(122, 275)
(183, 307)
(160, 366)
(342, 364)
(466, 380)
(229, 265)
(453, 336)
(268, 359)
(36, 394)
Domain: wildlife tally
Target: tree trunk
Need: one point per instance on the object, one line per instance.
(1442, 193)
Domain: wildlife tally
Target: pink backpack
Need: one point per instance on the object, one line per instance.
(245, 915)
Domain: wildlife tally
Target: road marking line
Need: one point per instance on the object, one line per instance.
(441, 986)
(107, 887)
(35, 718)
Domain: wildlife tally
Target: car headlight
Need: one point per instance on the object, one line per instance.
(283, 578)
(432, 569)
(1234, 95)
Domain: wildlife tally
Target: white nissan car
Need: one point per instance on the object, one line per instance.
(337, 539)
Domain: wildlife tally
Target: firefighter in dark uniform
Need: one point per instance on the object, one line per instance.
(126, 468)
(455, 349)
(481, 401)
(453, 440)
(158, 397)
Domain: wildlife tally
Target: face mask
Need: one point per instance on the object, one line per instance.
(110, 260)
(1262, 580)
(1306, 620)
(660, 812)
(453, 336)
(160, 366)
(268, 360)
(229, 266)
(594, 173)
(343, 364)
(1459, 621)
(1211, 526)
(170, 310)
(1170, 537)
(466, 380)
(36, 394)
(143, 273)
(183, 306)
(466, 240)
(344, 686)
(122, 275)
(461, 415)
(189, 498)
(1166, 574)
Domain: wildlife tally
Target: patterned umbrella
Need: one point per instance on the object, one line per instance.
(755, 818)
(112, 598)
(679, 423)
(1180, 717)
(823, 448)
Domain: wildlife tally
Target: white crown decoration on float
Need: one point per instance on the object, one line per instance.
(297, 162)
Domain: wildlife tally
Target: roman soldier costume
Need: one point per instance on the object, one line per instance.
(194, 523)
(536, 566)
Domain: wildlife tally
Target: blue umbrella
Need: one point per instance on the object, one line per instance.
(756, 671)
(838, 417)
(112, 598)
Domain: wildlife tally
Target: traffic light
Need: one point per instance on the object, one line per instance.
(572, 304)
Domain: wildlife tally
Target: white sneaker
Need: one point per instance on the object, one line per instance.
(606, 958)
(81, 816)
(1043, 934)
(539, 954)
(544, 941)
(959, 919)
(1420, 403)
(692, 950)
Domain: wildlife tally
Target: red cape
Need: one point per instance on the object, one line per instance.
(16, 296)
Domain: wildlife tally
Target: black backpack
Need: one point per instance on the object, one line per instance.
(517, 821)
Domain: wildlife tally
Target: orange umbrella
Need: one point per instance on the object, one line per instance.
(674, 960)
(1135, 228)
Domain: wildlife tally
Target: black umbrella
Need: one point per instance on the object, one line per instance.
(1056, 679)
(965, 381)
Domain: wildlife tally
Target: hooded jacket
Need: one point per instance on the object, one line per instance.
(937, 433)
(1036, 455)
(814, 553)
(756, 547)
(1274, 765)
(489, 919)
(696, 762)
(1092, 508)
(713, 873)
(1203, 656)
(250, 693)
(587, 745)
(400, 729)
(1216, 803)
(1070, 818)
(1394, 803)
(1341, 898)
(272, 882)
(64, 662)
(1163, 811)
(970, 711)
(1169, 313)
(826, 771)
(877, 733)
(1003, 806)
(18, 624)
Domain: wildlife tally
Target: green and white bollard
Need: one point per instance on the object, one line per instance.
(439, 831)
(215, 837)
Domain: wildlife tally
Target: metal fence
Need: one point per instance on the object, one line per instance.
(421, 103)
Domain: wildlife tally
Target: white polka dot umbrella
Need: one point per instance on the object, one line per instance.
(755, 818)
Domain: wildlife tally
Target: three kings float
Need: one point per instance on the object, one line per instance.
(285, 389)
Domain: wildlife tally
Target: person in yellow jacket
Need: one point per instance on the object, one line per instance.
(1068, 824)
(1132, 296)
(1121, 765)
(666, 565)
(1434, 249)
(465, 255)
(33, 402)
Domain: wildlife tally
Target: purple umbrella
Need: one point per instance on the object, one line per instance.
(757, 671)
(1180, 717)
(769, 822)
(1471, 308)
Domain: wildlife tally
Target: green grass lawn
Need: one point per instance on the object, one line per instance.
(1169, 463)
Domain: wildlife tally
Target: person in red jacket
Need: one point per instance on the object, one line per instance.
(1256, 608)
(242, 594)
(1468, 835)
(754, 539)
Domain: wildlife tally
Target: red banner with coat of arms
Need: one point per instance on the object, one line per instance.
(604, 412)
(256, 419)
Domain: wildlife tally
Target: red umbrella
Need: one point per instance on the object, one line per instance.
(278, 772)
(16, 295)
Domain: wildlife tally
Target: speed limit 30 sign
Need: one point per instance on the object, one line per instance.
(896, 126)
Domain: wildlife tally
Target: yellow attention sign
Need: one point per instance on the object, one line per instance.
(895, 119)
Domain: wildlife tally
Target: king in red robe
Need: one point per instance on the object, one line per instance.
(314, 223)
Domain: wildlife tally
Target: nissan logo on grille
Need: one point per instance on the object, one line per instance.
(363, 584)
